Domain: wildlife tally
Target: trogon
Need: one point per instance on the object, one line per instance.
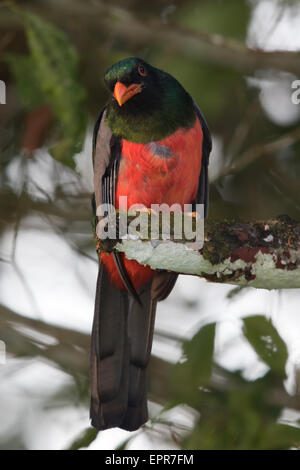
(151, 143)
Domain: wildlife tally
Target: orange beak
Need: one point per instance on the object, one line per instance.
(122, 93)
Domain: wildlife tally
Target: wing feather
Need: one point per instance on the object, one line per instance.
(203, 188)
(106, 160)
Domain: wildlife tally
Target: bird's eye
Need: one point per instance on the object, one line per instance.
(142, 71)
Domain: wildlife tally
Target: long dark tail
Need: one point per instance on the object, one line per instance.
(120, 350)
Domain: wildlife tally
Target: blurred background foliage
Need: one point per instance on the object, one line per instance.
(53, 55)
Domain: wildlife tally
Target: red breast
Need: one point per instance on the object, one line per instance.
(165, 171)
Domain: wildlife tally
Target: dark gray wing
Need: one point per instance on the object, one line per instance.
(101, 154)
(203, 188)
(106, 160)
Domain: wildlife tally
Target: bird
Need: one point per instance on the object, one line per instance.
(151, 143)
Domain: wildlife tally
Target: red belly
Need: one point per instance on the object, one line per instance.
(166, 171)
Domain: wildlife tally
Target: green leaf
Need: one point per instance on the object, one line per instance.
(55, 73)
(123, 444)
(266, 342)
(195, 371)
(23, 70)
(199, 353)
(235, 291)
(280, 437)
(85, 439)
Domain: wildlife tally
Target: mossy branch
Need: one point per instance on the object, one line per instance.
(263, 254)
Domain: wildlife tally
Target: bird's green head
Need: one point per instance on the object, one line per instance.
(135, 80)
(146, 103)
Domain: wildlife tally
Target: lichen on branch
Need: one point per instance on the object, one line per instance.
(263, 254)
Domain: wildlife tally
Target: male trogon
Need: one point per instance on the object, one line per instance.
(151, 143)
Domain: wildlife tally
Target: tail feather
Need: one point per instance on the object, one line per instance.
(109, 355)
(120, 350)
(141, 318)
(137, 412)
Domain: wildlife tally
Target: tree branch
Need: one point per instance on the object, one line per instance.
(26, 337)
(263, 254)
(254, 153)
(122, 24)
